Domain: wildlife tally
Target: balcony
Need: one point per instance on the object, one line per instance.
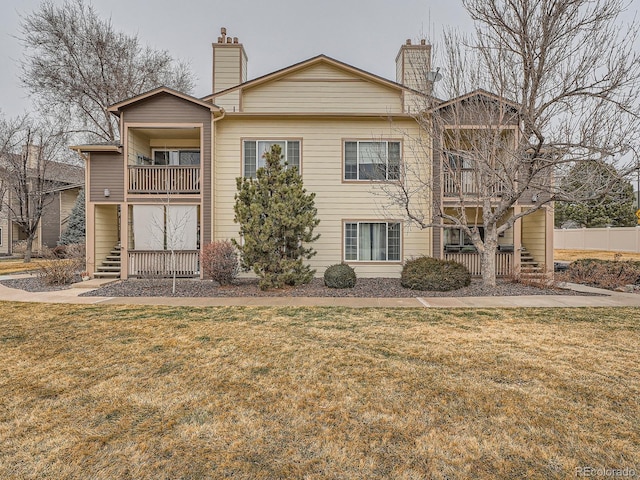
(165, 179)
(464, 182)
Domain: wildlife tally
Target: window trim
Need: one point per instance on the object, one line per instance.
(370, 140)
(269, 139)
(372, 262)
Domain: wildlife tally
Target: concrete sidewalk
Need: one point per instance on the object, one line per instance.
(605, 298)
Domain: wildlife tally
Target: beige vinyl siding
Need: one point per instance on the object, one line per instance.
(534, 234)
(67, 202)
(228, 61)
(105, 231)
(321, 160)
(106, 170)
(319, 95)
(230, 102)
(138, 145)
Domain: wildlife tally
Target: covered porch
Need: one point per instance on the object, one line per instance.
(525, 250)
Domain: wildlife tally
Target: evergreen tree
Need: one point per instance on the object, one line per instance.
(75, 232)
(277, 217)
(614, 208)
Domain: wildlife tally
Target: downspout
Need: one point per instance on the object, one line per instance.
(213, 165)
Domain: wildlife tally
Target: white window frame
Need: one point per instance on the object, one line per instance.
(358, 223)
(260, 162)
(359, 162)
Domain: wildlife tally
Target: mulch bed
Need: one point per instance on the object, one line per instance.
(365, 287)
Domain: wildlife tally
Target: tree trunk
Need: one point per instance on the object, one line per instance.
(27, 252)
(488, 259)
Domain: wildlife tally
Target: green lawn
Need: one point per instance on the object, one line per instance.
(105, 392)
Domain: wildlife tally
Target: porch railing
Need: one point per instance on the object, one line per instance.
(464, 181)
(160, 264)
(164, 179)
(504, 262)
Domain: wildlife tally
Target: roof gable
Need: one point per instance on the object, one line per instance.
(324, 68)
(117, 108)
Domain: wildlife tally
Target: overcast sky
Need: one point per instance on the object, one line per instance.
(275, 33)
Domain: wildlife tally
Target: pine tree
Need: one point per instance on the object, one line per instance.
(277, 217)
(614, 208)
(75, 232)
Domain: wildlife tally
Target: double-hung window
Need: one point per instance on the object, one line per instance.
(372, 241)
(254, 150)
(368, 160)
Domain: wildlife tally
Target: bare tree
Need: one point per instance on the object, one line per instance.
(76, 65)
(28, 150)
(553, 83)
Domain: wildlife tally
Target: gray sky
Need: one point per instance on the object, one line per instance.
(275, 34)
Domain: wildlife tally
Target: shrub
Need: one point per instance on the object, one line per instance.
(426, 273)
(340, 275)
(61, 271)
(220, 261)
(609, 274)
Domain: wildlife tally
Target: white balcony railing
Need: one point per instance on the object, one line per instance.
(504, 262)
(161, 263)
(465, 182)
(172, 179)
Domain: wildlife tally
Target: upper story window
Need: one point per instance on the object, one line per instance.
(176, 157)
(367, 160)
(254, 150)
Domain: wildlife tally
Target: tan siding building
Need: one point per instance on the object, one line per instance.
(182, 155)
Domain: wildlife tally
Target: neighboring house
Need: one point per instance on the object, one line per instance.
(179, 158)
(63, 184)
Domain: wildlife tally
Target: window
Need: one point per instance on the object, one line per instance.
(254, 151)
(176, 157)
(372, 241)
(456, 240)
(371, 160)
(1, 237)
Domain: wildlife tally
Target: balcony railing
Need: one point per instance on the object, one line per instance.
(172, 179)
(465, 182)
(504, 262)
(161, 263)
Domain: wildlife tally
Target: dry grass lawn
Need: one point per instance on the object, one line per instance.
(116, 392)
(571, 255)
(16, 266)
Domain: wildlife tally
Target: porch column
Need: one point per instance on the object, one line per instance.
(549, 266)
(517, 240)
(90, 242)
(124, 241)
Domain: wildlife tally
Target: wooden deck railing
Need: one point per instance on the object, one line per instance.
(504, 262)
(464, 181)
(164, 179)
(161, 264)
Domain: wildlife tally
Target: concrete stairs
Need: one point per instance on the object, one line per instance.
(110, 267)
(530, 269)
